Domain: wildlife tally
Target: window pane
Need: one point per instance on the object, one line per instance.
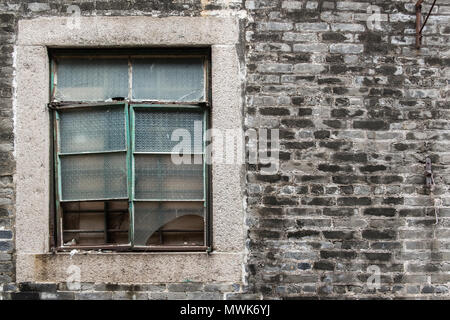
(84, 223)
(102, 129)
(102, 176)
(179, 223)
(166, 79)
(157, 177)
(154, 129)
(91, 79)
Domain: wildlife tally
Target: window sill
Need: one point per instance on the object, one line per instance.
(118, 248)
(130, 267)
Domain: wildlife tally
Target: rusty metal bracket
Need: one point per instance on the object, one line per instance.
(419, 26)
(429, 174)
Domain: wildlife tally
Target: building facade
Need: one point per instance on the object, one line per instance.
(351, 202)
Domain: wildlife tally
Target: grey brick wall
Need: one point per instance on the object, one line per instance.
(358, 111)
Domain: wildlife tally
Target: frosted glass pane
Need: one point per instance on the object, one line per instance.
(154, 129)
(150, 216)
(99, 129)
(102, 176)
(168, 79)
(157, 177)
(91, 79)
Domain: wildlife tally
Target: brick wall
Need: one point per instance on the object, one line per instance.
(358, 109)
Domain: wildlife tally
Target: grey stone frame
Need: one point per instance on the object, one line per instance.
(34, 261)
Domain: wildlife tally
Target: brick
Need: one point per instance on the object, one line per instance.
(275, 68)
(338, 254)
(324, 265)
(275, 26)
(339, 212)
(379, 256)
(387, 212)
(24, 296)
(311, 27)
(93, 296)
(37, 287)
(6, 246)
(5, 234)
(371, 124)
(311, 47)
(303, 234)
(350, 27)
(378, 234)
(342, 235)
(354, 201)
(350, 157)
(346, 48)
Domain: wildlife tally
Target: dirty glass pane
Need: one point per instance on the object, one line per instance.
(100, 176)
(99, 129)
(84, 222)
(168, 79)
(186, 219)
(154, 130)
(157, 177)
(91, 79)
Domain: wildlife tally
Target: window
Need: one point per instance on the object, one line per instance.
(130, 165)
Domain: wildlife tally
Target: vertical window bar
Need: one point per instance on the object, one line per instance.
(131, 147)
(208, 218)
(205, 203)
(58, 186)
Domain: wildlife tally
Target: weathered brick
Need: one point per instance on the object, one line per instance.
(388, 212)
(378, 234)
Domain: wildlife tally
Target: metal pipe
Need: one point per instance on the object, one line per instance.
(419, 26)
(429, 13)
(418, 23)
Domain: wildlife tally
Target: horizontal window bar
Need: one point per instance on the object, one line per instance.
(188, 231)
(157, 153)
(91, 152)
(172, 104)
(169, 200)
(129, 56)
(91, 200)
(170, 56)
(65, 105)
(170, 248)
(76, 105)
(93, 231)
(96, 211)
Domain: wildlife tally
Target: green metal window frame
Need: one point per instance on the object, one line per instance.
(129, 108)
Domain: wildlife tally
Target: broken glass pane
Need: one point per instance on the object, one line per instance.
(168, 79)
(84, 223)
(174, 223)
(91, 79)
(91, 130)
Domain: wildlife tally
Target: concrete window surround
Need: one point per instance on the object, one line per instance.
(34, 261)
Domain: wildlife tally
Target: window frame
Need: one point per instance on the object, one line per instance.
(129, 105)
